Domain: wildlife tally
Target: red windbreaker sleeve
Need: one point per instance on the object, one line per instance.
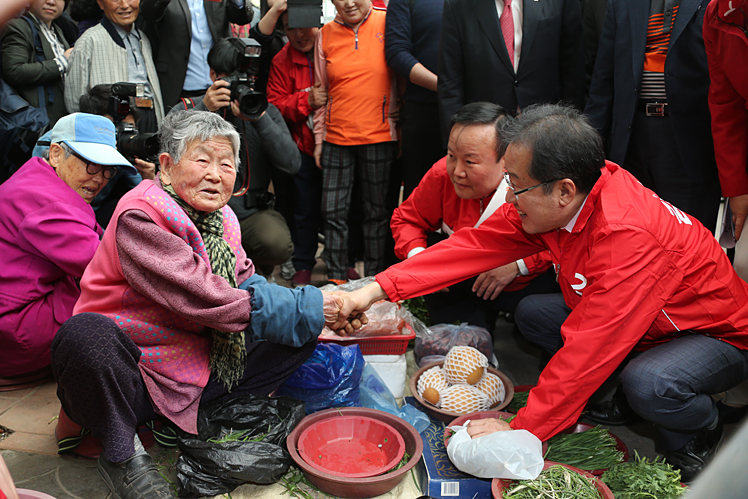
(729, 119)
(466, 253)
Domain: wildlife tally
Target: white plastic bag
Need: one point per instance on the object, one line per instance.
(515, 454)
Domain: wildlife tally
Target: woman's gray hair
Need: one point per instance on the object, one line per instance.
(179, 128)
(66, 148)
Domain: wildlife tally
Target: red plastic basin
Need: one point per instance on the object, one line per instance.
(350, 446)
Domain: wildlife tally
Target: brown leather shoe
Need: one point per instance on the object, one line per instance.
(136, 478)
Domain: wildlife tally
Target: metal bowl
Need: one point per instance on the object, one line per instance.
(357, 487)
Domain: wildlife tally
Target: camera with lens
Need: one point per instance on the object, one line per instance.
(262, 199)
(130, 143)
(245, 64)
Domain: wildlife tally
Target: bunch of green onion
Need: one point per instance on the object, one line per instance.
(594, 449)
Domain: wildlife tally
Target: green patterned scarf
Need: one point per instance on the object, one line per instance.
(228, 353)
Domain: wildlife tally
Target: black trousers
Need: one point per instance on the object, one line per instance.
(421, 144)
(100, 387)
(653, 158)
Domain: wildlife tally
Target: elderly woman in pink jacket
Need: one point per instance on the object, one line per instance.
(48, 235)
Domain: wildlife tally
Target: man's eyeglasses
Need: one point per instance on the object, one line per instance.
(518, 192)
(94, 168)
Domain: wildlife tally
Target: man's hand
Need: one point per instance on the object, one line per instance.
(490, 284)
(318, 155)
(270, 19)
(146, 169)
(217, 96)
(483, 427)
(739, 207)
(68, 52)
(332, 303)
(317, 96)
(357, 302)
(236, 111)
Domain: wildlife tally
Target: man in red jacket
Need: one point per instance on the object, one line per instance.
(644, 282)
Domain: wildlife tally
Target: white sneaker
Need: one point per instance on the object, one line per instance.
(287, 270)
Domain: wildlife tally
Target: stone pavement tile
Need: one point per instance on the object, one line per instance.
(6, 403)
(30, 442)
(17, 394)
(33, 414)
(61, 477)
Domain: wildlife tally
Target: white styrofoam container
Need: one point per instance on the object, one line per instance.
(392, 369)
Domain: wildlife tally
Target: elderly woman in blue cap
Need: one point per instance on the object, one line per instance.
(48, 235)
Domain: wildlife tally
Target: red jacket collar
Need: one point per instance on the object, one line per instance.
(298, 57)
(589, 206)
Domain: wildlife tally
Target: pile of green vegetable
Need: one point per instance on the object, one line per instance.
(644, 479)
(518, 401)
(556, 482)
(417, 307)
(594, 449)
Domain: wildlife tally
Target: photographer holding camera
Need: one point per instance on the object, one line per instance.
(266, 143)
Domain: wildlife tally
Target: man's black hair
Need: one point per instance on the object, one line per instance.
(97, 100)
(562, 142)
(222, 56)
(482, 113)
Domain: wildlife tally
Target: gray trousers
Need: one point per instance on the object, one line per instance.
(670, 385)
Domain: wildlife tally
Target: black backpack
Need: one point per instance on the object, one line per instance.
(21, 124)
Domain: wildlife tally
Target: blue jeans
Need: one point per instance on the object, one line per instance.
(670, 385)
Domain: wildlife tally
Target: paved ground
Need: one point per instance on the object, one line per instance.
(31, 451)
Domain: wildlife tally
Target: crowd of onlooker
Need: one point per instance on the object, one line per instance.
(360, 109)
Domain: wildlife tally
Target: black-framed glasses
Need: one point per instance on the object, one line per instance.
(518, 192)
(94, 168)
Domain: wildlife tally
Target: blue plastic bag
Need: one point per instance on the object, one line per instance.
(376, 395)
(329, 378)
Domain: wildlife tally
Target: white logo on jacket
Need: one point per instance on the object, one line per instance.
(579, 287)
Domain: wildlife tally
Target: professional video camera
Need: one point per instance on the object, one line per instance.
(130, 143)
(245, 64)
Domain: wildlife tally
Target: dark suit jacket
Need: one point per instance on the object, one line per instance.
(24, 73)
(170, 38)
(474, 63)
(616, 82)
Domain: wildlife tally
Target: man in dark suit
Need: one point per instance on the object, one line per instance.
(180, 54)
(648, 96)
(474, 62)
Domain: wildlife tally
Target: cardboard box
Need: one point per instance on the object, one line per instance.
(436, 475)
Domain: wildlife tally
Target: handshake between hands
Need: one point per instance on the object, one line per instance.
(344, 312)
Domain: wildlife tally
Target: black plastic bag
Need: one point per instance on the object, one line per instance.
(209, 468)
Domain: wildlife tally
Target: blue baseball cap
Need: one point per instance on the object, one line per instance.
(91, 136)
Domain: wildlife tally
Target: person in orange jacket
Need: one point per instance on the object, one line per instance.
(354, 132)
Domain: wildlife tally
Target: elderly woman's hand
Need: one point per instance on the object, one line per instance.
(482, 427)
(332, 303)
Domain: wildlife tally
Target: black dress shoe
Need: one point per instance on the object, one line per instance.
(692, 457)
(614, 412)
(136, 478)
(729, 414)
